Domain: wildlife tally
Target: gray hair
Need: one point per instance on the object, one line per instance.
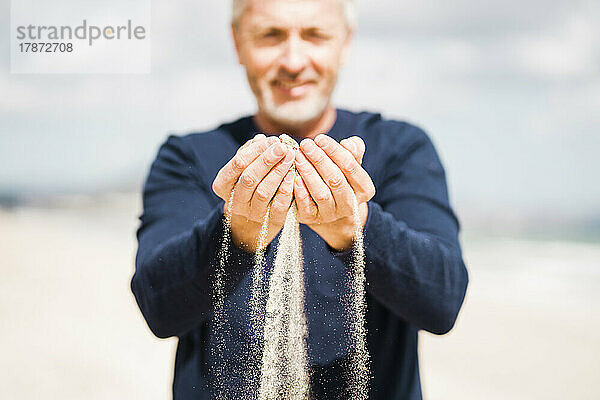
(239, 6)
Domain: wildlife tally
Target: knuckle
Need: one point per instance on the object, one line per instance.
(281, 170)
(261, 194)
(258, 148)
(351, 167)
(247, 180)
(239, 162)
(267, 161)
(321, 196)
(319, 159)
(334, 151)
(284, 190)
(336, 181)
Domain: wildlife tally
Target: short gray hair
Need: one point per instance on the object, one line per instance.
(239, 6)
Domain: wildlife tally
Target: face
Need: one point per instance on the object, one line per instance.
(292, 51)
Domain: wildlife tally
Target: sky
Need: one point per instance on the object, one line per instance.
(509, 92)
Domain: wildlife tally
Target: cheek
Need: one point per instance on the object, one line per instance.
(259, 63)
(327, 63)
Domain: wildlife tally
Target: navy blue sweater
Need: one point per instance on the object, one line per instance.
(416, 278)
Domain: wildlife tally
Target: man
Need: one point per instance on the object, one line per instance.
(416, 279)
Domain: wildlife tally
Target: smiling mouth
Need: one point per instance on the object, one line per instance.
(293, 88)
(291, 84)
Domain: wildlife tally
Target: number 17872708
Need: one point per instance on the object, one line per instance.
(43, 47)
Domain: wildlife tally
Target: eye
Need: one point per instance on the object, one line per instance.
(271, 34)
(315, 35)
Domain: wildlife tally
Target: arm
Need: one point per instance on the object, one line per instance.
(182, 228)
(179, 237)
(413, 257)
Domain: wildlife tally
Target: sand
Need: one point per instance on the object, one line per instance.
(358, 368)
(278, 366)
(529, 328)
(284, 373)
(219, 320)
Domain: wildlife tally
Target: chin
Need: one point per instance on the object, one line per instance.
(296, 112)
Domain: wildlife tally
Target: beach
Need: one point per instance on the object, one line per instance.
(529, 328)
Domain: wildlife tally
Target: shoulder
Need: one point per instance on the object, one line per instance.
(202, 153)
(220, 141)
(383, 132)
(388, 139)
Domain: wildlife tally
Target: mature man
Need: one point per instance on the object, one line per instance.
(292, 51)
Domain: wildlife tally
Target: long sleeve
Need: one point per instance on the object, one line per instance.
(414, 265)
(179, 239)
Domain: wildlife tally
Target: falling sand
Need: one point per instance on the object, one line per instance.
(219, 320)
(278, 356)
(358, 370)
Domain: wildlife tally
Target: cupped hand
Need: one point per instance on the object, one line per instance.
(329, 176)
(259, 175)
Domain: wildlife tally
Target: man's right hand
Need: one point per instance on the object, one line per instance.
(260, 174)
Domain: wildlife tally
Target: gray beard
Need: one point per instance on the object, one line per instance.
(294, 114)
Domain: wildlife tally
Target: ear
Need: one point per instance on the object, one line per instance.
(346, 45)
(236, 42)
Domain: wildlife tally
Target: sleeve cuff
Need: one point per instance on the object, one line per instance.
(346, 256)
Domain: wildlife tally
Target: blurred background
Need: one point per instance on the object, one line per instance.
(509, 91)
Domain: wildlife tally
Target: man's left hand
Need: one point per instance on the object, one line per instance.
(329, 176)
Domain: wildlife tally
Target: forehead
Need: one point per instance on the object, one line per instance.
(293, 13)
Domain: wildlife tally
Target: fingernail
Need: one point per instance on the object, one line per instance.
(351, 145)
(321, 141)
(278, 150)
(308, 146)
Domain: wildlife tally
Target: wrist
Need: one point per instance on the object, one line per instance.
(340, 234)
(244, 233)
(341, 238)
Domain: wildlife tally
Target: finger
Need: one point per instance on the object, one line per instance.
(266, 189)
(307, 209)
(331, 174)
(256, 171)
(356, 146)
(283, 199)
(230, 173)
(271, 140)
(351, 147)
(257, 137)
(318, 189)
(357, 177)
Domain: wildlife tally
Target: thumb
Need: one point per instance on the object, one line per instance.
(356, 146)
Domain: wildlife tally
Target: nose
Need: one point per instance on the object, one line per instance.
(293, 58)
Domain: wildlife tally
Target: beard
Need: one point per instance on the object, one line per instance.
(293, 113)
